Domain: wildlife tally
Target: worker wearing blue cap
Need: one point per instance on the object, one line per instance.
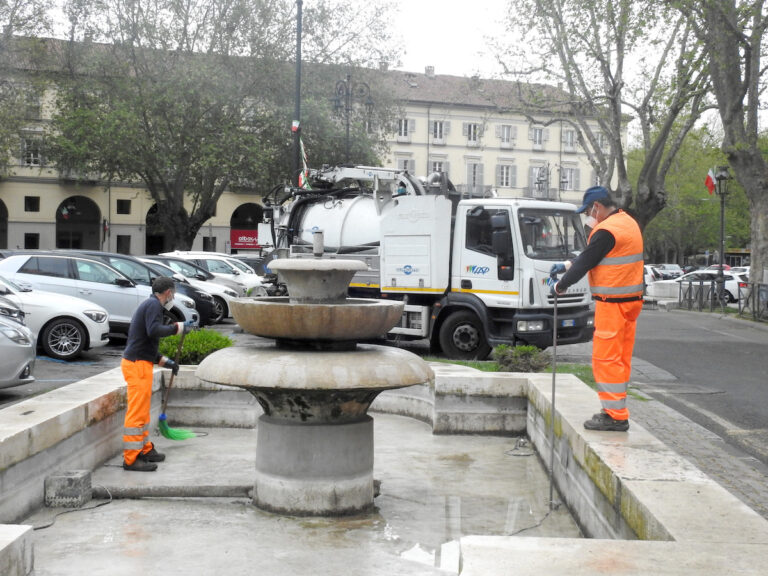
(613, 260)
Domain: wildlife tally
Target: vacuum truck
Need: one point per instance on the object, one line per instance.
(471, 271)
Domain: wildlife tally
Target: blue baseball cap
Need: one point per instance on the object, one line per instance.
(594, 194)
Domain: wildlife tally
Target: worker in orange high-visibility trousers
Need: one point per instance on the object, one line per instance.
(614, 261)
(139, 357)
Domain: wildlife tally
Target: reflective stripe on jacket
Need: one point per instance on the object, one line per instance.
(619, 276)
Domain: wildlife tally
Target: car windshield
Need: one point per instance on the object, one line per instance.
(551, 234)
(241, 266)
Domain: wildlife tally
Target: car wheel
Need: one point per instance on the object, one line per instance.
(219, 310)
(462, 337)
(63, 339)
(172, 316)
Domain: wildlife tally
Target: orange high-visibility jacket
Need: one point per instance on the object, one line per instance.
(619, 276)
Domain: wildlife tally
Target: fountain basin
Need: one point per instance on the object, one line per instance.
(282, 319)
(314, 454)
(316, 280)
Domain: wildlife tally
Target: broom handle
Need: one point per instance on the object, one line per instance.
(168, 390)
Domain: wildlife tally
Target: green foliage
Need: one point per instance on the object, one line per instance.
(197, 345)
(520, 358)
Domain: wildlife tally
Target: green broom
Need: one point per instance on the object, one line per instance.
(165, 430)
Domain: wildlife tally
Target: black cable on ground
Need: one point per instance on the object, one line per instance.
(53, 520)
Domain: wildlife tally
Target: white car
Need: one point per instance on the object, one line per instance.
(703, 278)
(222, 295)
(91, 280)
(64, 326)
(17, 348)
(223, 265)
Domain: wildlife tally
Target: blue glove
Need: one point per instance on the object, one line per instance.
(558, 268)
(185, 327)
(552, 283)
(171, 365)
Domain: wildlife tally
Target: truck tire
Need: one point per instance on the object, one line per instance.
(462, 337)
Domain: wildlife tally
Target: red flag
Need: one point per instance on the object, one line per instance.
(710, 181)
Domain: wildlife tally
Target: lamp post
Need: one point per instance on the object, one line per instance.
(346, 92)
(722, 178)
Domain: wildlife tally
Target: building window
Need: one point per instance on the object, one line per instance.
(473, 133)
(538, 137)
(475, 178)
(32, 107)
(569, 140)
(406, 164)
(123, 206)
(209, 243)
(31, 151)
(506, 176)
(31, 203)
(439, 130)
(438, 166)
(123, 244)
(569, 179)
(405, 128)
(507, 134)
(31, 241)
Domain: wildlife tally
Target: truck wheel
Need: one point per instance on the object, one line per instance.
(462, 337)
(63, 339)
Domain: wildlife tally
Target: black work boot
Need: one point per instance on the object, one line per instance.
(152, 456)
(603, 422)
(140, 465)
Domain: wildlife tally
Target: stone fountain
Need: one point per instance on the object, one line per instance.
(315, 382)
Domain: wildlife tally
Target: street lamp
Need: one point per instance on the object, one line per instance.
(721, 189)
(346, 92)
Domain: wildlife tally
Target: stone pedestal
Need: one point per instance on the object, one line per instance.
(314, 469)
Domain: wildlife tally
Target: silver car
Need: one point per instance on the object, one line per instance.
(17, 349)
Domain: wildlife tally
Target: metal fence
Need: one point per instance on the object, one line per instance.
(753, 301)
(700, 295)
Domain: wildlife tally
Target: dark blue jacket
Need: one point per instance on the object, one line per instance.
(145, 332)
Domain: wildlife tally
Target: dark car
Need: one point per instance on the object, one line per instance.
(142, 273)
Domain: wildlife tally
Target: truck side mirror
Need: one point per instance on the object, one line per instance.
(501, 236)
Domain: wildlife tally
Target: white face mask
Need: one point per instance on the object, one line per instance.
(591, 221)
(169, 303)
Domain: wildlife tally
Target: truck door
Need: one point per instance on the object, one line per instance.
(487, 264)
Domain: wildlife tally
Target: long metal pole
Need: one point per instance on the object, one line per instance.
(720, 279)
(552, 411)
(297, 99)
(347, 110)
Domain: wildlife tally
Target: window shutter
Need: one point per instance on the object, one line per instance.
(530, 132)
(498, 130)
(464, 128)
(469, 176)
(563, 134)
(480, 130)
(513, 176)
(446, 127)
(545, 135)
(576, 179)
(445, 168)
(498, 174)
(479, 175)
(411, 126)
(514, 132)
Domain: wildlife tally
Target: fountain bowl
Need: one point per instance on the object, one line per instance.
(282, 319)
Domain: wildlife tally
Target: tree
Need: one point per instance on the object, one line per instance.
(690, 221)
(191, 97)
(732, 33)
(616, 60)
(18, 95)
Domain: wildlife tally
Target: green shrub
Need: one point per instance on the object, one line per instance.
(197, 345)
(520, 358)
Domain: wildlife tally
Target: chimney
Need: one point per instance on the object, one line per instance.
(429, 71)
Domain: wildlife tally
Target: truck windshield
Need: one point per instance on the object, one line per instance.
(551, 234)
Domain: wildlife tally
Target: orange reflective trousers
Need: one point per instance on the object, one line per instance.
(615, 324)
(138, 376)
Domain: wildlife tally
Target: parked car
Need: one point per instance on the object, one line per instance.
(717, 267)
(64, 326)
(74, 275)
(220, 294)
(17, 348)
(257, 263)
(224, 266)
(191, 270)
(669, 271)
(141, 273)
(705, 278)
(740, 270)
(11, 311)
(650, 274)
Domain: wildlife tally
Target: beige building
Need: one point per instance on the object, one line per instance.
(472, 129)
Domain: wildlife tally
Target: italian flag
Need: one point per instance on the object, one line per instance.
(709, 182)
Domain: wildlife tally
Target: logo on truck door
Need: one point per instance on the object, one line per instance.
(407, 269)
(479, 270)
